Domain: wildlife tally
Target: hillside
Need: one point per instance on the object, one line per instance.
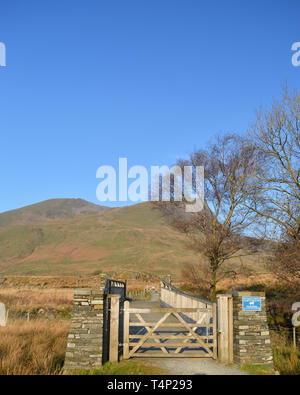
(71, 237)
(49, 210)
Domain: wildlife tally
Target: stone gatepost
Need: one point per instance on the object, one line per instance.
(85, 339)
(251, 336)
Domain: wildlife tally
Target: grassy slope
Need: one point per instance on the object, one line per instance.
(130, 238)
(127, 238)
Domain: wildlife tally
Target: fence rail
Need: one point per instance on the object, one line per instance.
(170, 287)
(174, 298)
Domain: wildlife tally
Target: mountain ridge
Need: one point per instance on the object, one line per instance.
(78, 237)
(48, 210)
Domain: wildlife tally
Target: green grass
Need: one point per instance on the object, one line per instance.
(130, 367)
(257, 369)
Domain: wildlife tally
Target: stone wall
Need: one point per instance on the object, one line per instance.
(251, 337)
(85, 339)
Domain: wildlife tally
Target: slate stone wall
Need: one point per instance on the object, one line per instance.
(85, 339)
(251, 336)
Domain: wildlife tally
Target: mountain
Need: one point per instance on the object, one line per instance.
(49, 210)
(72, 236)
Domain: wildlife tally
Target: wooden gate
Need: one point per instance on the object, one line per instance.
(172, 334)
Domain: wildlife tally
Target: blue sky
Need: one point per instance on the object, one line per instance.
(88, 82)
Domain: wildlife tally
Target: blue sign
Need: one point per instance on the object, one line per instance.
(251, 303)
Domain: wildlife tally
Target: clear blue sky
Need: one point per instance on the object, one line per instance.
(87, 82)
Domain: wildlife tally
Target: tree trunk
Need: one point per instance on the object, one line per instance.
(213, 282)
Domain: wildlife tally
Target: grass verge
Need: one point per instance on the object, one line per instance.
(129, 367)
(257, 369)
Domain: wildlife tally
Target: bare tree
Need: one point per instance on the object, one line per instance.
(286, 264)
(274, 193)
(217, 231)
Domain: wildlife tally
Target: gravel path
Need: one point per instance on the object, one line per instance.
(194, 366)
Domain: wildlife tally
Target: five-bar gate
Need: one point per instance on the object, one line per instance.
(169, 332)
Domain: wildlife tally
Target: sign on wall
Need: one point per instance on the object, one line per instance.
(251, 303)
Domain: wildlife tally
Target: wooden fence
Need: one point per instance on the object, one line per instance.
(173, 297)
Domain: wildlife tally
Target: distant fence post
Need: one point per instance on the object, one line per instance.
(114, 327)
(225, 328)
